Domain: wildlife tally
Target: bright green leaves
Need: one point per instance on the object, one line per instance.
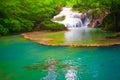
(21, 15)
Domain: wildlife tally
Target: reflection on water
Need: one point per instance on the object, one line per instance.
(84, 34)
(78, 34)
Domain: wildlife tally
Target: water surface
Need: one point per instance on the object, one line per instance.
(85, 35)
(21, 59)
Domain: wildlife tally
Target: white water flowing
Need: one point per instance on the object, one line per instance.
(72, 19)
(77, 24)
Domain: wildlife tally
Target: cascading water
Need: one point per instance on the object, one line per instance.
(76, 23)
(73, 19)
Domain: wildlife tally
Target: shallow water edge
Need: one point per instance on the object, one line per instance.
(40, 37)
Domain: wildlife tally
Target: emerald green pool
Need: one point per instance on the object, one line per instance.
(21, 59)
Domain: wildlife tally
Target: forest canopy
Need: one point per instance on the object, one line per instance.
(24, 15)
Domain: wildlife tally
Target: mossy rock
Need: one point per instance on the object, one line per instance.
(112, 22)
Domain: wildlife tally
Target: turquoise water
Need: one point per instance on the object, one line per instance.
(21, 59)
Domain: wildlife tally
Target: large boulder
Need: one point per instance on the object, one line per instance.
(96, 19)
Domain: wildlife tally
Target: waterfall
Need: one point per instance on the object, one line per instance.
(76, 23)
(72, 19)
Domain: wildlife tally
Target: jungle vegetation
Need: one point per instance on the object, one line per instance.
(25, 15)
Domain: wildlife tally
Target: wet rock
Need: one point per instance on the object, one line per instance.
(96, 20)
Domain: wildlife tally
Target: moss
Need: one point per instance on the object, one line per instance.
(56, 37)
(116, 35)
(58, 19)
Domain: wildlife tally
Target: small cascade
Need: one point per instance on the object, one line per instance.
(76, 23)
(73, 19)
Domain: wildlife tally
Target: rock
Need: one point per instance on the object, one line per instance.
(96, 20)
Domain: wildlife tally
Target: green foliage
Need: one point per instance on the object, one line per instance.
(24, 15)
(112, 22)
(115, 6)
(48, 25)
(116, 35)
(3, 31)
